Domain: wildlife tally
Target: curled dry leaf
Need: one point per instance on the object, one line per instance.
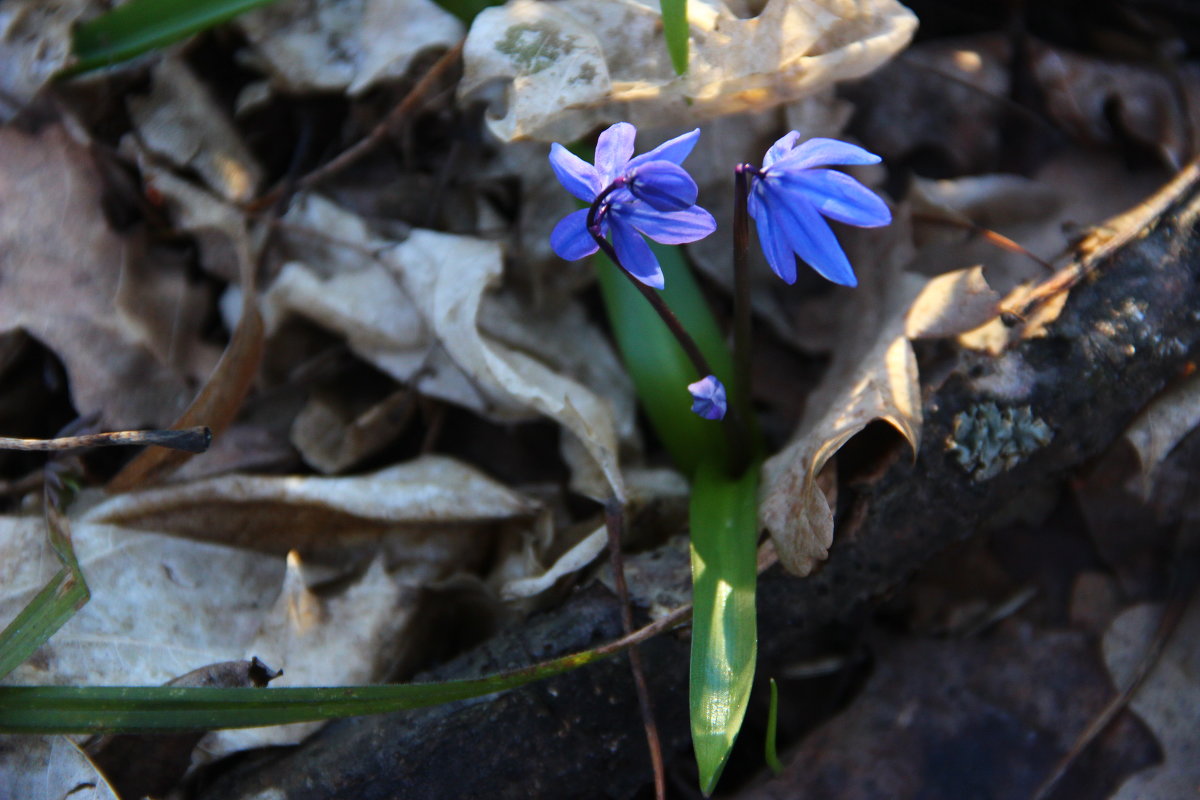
(1161, 426)
(332, 437)
(570, 66)
(1168, 701)
(951, 304)
(179, 121)
(329, 45)
(873, 376)
(575, 559)
(311, 514)
(452, 272)
(62, 267)
(366, 288)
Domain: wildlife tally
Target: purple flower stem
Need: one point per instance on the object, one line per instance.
(664, 311)
(742, 325)
(735, 431)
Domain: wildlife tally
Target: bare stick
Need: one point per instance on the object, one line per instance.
(381, 131)
(192, 440)
(614, 518)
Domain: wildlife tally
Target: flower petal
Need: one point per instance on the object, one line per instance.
(708, 397)
(635, 255)
(576, 175)
(774, 242)
(781, 148)
(673, 150)
(677, 227)
(570, 238)
(613, 150)
(663, 185)
(838, 196)
(809, 236)
(820, 152)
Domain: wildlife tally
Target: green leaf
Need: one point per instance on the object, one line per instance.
(675, 31)
(49, 610)
(125, 709)
(660, 369)
(467, 10)
(142, 25)
(724, 510)
(724, 522)
(772, 755)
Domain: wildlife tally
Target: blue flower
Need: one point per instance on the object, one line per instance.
(631, 197)
(708, 397)
(793, 192)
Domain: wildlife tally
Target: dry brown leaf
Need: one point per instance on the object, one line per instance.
(180, 122)
(332, 437)
(61, 273)
(570, 66)
(452, 273)
(151, 764)
(220, 398)
(873, 377)
(35, 43)
(365, 288)
(328, 45)
(48, 768)
(342, 287)
(951, 304)
(160, 606)
(1168, 701)
(1161, 425)
(425, 498)
(353, 637)
(575, 559)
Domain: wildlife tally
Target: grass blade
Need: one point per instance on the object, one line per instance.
(48, 611)
(126, 709)
(142, 25)
(772, 753)
(57, 602)
(675, 31)
(724, 522)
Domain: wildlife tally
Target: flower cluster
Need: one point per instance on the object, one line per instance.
(790, 197)
(793, 192)
(650, 195)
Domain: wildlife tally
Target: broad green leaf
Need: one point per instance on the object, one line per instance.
(675, 31)
(142, 25)
(724, 515)
(724, 523)
(126, 709)
(659, 368)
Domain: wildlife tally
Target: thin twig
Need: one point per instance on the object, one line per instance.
(381, 131)
(614, 518)
(191, 440)
(990, 236)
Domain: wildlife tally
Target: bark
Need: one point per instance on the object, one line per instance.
(1127, 330)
